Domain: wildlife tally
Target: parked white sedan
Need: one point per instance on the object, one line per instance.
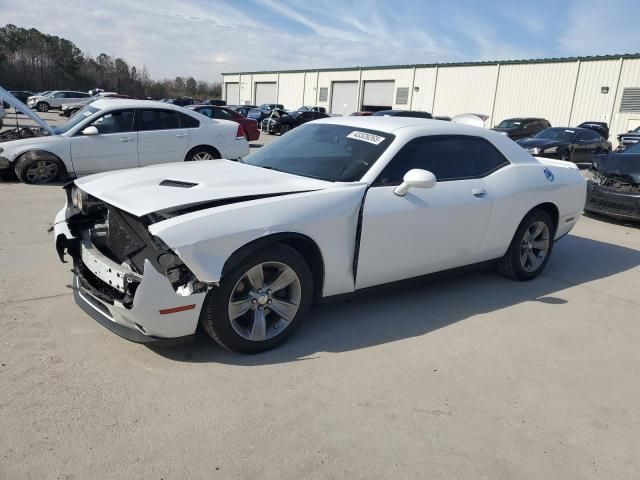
(112, 134)
(334, 206)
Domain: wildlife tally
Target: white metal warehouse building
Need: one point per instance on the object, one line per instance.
(565, 91)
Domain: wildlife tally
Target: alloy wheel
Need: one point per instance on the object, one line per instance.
(202, 156)
(534, 246)
(265, 301)
(42, 171)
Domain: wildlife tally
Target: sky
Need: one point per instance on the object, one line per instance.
(203, 38)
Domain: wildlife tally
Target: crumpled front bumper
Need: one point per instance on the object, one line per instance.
(615, 204)
(155, 315)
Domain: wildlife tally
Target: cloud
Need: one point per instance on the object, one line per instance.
(594, 28)
(203, 38)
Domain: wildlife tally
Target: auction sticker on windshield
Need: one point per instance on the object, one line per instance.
(366, 137)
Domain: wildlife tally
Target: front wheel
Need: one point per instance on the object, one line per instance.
(565, 156)
(284, 129)
(42, 107)
(260, 302)
(37, 168)
(530, 248)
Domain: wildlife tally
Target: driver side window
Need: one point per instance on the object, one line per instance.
(448, 157)
(115, 122)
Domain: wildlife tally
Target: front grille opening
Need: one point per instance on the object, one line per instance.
(98, 287)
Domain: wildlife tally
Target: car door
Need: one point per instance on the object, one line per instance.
(428, 230)
(160, 137)
(583, 147)
(114, 147)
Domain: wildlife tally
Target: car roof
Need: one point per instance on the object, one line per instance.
(103, 103)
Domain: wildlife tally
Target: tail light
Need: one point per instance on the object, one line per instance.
(240, 132)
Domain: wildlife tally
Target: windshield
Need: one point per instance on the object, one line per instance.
(83, 113)
(335, 153)
(510, 124)
(558, 134)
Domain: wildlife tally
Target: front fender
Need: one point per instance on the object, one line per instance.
(205, 240)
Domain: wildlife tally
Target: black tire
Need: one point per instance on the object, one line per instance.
(42, 107)
(29, 159)
(215, 311)
(203, 149)
(565, 156)
(246, 136)
(510, 264)
(284, 129)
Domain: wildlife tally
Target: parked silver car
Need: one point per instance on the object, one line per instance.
(55, 99)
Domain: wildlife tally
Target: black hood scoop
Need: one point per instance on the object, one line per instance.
(178, 184)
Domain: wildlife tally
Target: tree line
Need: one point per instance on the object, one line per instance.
(35, 61)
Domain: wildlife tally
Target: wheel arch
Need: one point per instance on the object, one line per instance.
(202, 146)
(40, 154)
(550, 208)
(304, 245)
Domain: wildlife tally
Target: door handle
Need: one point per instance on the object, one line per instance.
(182, 135)
(479, 192)
(126, 139)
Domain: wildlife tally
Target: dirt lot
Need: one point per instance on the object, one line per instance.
(469, 375)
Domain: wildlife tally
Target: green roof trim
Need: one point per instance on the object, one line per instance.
(451, 64)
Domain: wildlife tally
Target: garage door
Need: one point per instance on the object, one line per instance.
(378, 95)
(266, 92)
(232, 93)
(344, 98)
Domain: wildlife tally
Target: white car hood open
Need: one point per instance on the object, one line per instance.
(22, 108)
(139, 190)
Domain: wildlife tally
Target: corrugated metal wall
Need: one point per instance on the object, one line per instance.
(536, 90)
(629, 77)
(291, 89)
(465, 90)
(564, 92)
(589, 102)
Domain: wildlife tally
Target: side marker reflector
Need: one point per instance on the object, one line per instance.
(167, 311)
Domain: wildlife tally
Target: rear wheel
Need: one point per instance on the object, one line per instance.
(202, 153)
(530, 248)
(260, 302)
(42, 107)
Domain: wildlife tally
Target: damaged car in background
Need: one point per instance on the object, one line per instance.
(112, 134)
(614, 187)
(336, 205)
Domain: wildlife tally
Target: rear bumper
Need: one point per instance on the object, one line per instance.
(615, 204)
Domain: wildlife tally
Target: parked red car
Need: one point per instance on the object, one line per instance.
(250, 126)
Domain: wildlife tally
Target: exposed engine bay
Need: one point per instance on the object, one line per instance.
(21, 133)
(125, 241)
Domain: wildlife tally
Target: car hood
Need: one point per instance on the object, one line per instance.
(625, 166)
(22, 108)
(629, 134)
(539, 143)
(191, 185)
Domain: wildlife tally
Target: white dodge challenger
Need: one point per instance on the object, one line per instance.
(336, 205)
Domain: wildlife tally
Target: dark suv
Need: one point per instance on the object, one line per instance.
(516, 128)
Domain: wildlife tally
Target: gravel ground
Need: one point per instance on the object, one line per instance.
(469, 375)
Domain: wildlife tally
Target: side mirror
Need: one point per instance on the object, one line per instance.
(90, 131)
(415, 178)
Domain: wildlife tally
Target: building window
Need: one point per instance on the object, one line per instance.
(402, 95)
(630, 100)
(324, 94)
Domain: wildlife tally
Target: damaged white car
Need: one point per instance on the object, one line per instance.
(112, 134)
(334, 206)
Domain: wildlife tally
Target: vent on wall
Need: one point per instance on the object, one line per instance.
(324, 94)
(402, 95)
(630, 100)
